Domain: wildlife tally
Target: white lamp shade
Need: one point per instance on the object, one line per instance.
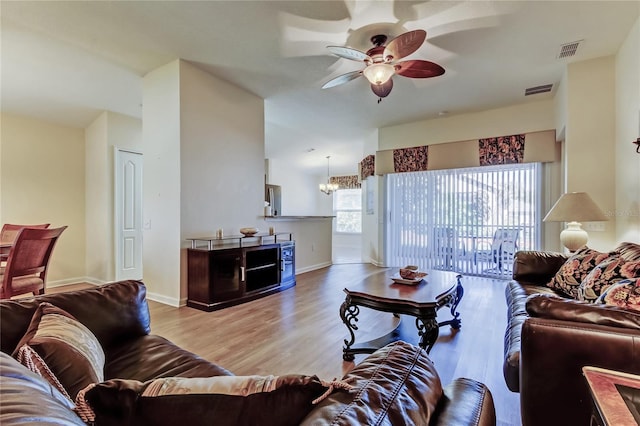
(574, 207)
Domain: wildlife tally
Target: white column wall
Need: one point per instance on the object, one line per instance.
(627, 170)
(589, 151)
(161, 147)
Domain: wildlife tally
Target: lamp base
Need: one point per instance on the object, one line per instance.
(573, 236)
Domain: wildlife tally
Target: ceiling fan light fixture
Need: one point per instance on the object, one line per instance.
(382, 90)
(379, 73)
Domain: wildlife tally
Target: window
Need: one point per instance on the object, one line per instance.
(469, 220)
(348, 210)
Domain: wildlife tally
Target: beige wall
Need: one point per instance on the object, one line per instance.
(627, 170)
(108, 131)
(42, 180)
(589, 145)
(522, 118)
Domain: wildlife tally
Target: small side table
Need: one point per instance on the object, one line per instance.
(615, 396)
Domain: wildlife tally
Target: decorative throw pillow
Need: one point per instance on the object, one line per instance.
(606, 274)
(629, 251)
(575, 269)
(57, 342)
(624, 294)
(223, 400)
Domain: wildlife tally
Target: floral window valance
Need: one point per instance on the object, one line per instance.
(411, 159)
(346, 182)
(501, 150)
(367, 167)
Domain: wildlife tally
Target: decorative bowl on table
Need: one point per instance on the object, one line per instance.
(409, 272)
(249, 232)
(409, 275)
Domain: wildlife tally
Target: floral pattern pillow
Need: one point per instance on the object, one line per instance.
(570, 275)
(623, 294)
(606, 274)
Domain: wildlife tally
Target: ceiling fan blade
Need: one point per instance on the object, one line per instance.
(382, 90)
(341, 79)
(418, 69)
(404, 45)
(349, 53)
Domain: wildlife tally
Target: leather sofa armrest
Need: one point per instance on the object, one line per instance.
(553, 390)
(553, 307)
(536, 267)
(465, 402)
(397, 384)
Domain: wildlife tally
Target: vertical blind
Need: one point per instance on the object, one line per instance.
(469, 220)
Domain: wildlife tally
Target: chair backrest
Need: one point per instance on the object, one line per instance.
(10, 231)
(444, 237)
(505, 237)
(29, 254)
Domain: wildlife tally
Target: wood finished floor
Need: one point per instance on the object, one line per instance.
(300, 331)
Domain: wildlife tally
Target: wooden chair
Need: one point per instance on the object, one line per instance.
(26, 270)
(8, 236)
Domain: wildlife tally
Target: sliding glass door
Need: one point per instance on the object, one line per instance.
(469, 220)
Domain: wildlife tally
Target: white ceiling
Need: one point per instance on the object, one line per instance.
(67, 61)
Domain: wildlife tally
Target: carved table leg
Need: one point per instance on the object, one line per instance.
(349, 314)
(428, 330)
(452, 301)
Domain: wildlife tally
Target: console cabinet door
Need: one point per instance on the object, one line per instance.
(226, 276)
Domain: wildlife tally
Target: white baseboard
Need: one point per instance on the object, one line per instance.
(160, 298)
(313, 267)
(76, 280)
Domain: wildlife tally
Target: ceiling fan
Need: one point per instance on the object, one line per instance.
(381, 62)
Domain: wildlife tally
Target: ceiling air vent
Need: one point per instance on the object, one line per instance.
(569, 49)
(538, 89)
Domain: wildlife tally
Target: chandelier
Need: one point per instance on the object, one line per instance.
(328, 187)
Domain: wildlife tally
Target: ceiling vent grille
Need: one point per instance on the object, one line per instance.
(569, 49)
(538, 89)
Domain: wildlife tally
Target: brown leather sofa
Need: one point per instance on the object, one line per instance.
(397, 384)
(549, 338)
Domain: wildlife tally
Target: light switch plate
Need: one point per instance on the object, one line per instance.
(594, 226)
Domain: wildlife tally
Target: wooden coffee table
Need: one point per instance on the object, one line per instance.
(422, 301)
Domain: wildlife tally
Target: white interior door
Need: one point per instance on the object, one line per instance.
(128, 215)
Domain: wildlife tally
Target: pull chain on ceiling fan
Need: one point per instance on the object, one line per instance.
(381, 65)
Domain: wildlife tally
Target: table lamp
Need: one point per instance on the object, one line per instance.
(573, 208)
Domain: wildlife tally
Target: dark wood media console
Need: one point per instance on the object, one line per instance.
(238, 269)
